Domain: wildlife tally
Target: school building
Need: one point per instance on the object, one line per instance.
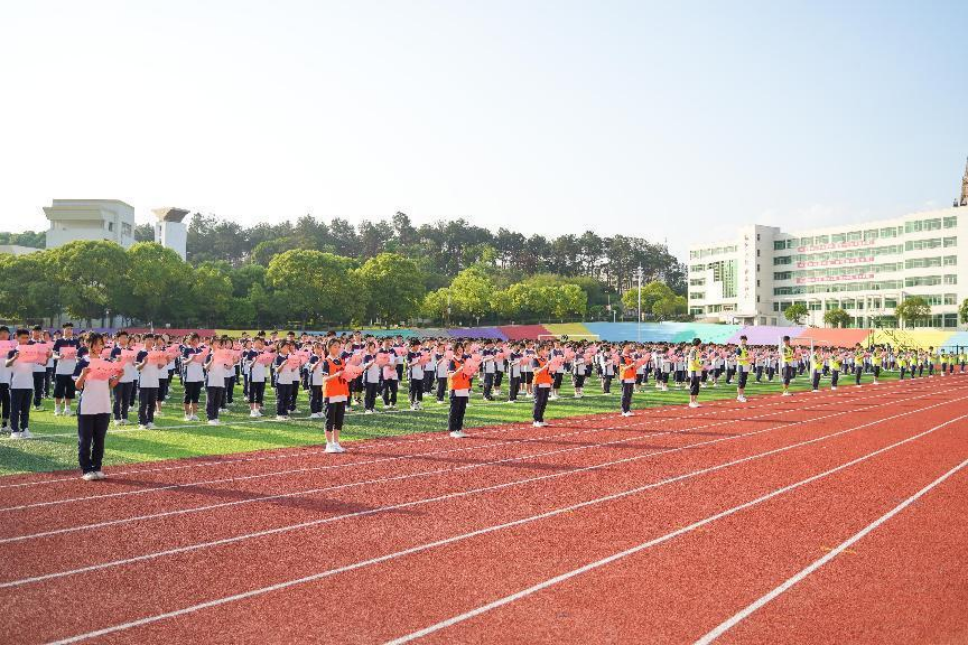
(865, 269)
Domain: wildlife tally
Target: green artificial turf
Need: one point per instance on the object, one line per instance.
(54, 446)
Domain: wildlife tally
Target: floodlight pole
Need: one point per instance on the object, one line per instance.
(638, 325)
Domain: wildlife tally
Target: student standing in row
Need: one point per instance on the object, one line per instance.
(460, 392)
(542, 382)
(150, 379)
(5, 375)
(627, 372)
(21, 388)
(742, 369)
(257, 377)
(65, 352)
(93, 412)
(336, 391)
(194, 377)
(694, 366)
(124, 387)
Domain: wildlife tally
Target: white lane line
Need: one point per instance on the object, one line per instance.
(470, 492)
(486, 530)
(627, 423)
(313, 491)
(307, 492)
(511, 598)
(763, 401)
(718, 631)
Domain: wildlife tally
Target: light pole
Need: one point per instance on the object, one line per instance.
(638, 326)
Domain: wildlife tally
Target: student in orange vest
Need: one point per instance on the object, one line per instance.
(336, 392)
(627, 372)
(543, 382)
(460, 392)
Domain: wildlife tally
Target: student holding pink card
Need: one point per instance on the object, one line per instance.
(124, 389)
(193, 361)
(149, 364)
(6, 345)
(21, 388)
(39, 364)
(258, 361)
(93, 411)
(286, 380)
(215, 386)
(65, 351)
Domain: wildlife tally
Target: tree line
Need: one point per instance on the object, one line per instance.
(95, 281)
(311, 272)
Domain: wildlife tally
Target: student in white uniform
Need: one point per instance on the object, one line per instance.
(65, 351)
(21, 389)
(5, 374)
(93, 412)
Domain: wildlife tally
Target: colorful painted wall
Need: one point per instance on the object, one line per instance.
(669, 333)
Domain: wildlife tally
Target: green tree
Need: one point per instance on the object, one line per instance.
(913, 309)
(652, 293)
(963, 311)
(314, 285)
(89, 275)
(669, 307)
(211, 294)
(157, 285)
(837, 318)
(796, 313)
(27, 292)
(471, 293)
(395, 286)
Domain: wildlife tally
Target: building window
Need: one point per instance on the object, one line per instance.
(951, 222)
(110, 226)
(126, 229)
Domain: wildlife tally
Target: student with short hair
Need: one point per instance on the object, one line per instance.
(336, 392)
(257, 377)
(460, 392)
(149, 376)
(38, 370)
(64, 391)
(542, 383)
(21, 388)
(5, 375)
(215, 384)
(93, 411)
(193, 376)
(694, 363)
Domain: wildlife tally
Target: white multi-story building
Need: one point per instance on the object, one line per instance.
(865, 269)
(170, 230)
(72, 220)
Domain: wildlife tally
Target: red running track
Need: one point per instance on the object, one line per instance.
(409, 535)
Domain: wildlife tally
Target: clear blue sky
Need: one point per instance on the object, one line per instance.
(673, 120)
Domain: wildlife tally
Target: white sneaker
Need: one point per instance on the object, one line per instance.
(142, 427)
(458, 434)
(331, 448)
(188, 418)
(223, 410)
(99, 475)
(833, 388)
(90, 476)
(252, 413)
(150, 426)
(787, 394)
(694, 404)
(214, 422)
(26, 434)
(282, 418)
(627, 414)
(368, 412)
(16, 435)
(57, 412)
(68, 412)
(815, 390)
(339, 448)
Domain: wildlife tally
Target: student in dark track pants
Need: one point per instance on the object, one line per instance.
(39, 369)
(21, 389)
(460, 392)
(93, 413)
(543, 382)
(125, 385)
(5, 374)
(286, 381)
